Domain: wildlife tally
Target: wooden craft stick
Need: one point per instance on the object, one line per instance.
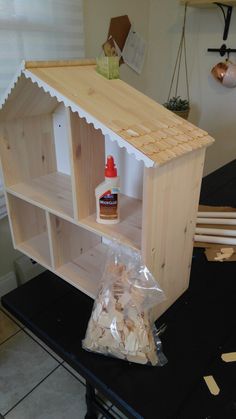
(212, 385)
(229, 357)
(218, 214)
(215, 239)
(59, 63)
(216, 232)
(222, 221)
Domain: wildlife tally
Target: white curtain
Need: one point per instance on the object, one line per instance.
(38, 30)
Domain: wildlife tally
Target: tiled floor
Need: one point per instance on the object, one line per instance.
(34, 382)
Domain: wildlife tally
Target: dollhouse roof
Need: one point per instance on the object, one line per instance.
(141, 125)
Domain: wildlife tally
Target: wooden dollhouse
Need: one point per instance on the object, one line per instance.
(52, 214)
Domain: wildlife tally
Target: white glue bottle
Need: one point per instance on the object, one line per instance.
(107, 195)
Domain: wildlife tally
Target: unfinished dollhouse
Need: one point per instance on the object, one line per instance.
(52, 209)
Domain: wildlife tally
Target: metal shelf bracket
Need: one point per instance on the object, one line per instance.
(227, 13)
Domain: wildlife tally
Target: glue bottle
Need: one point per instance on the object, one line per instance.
(107, 195)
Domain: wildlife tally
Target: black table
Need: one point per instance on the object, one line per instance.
(201, 325)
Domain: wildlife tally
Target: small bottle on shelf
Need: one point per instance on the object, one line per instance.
(107, 195)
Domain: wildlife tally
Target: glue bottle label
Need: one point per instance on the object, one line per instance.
(108, 204)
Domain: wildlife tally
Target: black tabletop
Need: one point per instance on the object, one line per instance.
(201, 325)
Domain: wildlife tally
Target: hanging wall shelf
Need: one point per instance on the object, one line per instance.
(226, 8)
(207, 3)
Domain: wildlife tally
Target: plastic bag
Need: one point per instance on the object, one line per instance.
(119, 325)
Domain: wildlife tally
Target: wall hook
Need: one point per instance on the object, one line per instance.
(222, 50)
(227, 17)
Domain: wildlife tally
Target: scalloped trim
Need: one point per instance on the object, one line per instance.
(12, 84)
(90, 119)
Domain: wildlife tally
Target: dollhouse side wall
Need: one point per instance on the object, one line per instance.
(170, 203)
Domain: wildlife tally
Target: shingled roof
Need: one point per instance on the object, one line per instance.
(145, 128)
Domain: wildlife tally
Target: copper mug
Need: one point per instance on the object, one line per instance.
(225, 73)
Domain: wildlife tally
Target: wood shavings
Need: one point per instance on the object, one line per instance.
(118, 325)
(224, 254)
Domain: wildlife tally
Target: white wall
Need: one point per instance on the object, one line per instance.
(160, 22)
(97, 15)
(213, 106)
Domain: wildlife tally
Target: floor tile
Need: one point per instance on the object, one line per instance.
(74, 372)
(12, 317)
(23, 364)
(7, 327)
(49, 350)
(59, 396)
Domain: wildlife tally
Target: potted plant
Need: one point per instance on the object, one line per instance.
(174, 103)
(178, 106)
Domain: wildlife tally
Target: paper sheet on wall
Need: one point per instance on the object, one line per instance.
(134, 51)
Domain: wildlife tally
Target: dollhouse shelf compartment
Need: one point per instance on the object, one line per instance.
(128, 231)
(51, 192)
(29, 230)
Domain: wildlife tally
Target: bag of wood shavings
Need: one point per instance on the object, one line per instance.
(120, 325)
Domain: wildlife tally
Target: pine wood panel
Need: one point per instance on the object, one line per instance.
(37, 248)
(69, 241)
(28, 221)
(27, 148)
(85, 271)
(27, 99)
(29, 230)
(128, 231)
(87, 154)
(171, 195)
(51, 192)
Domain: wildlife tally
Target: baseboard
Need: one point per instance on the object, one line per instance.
(7, 283)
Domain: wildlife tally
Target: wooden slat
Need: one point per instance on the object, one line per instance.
(59, 63)
(51, 192)
(170, 204)
(87, 155)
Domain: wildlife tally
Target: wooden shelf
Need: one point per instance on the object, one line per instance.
(207, 3)
(128, 231)
(37, 248)
(85, 271)
(51, 192)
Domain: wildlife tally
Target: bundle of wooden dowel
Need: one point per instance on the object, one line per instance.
(218, 227)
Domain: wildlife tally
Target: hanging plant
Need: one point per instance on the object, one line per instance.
(175, 103)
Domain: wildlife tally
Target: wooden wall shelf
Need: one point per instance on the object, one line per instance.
(52, 214)
(207, 3)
